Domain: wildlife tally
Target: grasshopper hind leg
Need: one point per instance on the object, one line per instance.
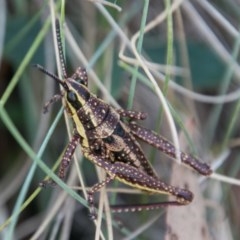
(168, 148)
(139, 179)
(132, 114)
(143, 181)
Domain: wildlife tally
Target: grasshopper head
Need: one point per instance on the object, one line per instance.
(76, 94)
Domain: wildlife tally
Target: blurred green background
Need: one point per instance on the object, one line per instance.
(26, 39)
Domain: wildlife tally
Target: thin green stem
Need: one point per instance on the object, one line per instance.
(25, 62)
(214, 118)
(139, 49)
(169, 59)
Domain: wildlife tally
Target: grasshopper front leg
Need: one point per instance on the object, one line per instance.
(54, 99)
(67, 157)
(80, 76)
(168, 148)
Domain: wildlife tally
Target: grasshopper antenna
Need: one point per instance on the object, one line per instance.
(60, 48)
(53, 76)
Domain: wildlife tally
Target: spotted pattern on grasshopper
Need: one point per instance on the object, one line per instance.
(111, 143)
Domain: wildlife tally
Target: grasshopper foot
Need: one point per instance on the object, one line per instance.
(47, 183)
(92, 213)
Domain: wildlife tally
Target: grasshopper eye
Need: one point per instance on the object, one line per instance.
(80, 90)
(71, 96)
(73, 100)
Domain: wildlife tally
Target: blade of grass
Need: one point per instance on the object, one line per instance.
(215, 113)
(23, 32)
(25, 62)
(139, 49)
(3, 26)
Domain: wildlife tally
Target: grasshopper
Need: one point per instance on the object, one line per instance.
(111, 143)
